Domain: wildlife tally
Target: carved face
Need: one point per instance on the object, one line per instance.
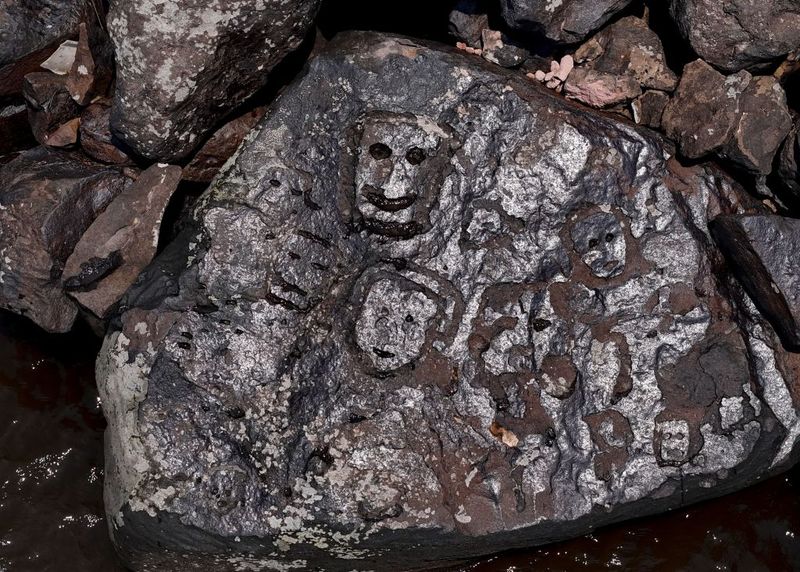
(394, 321)
(600, 242)
(400, 166)
(673, 437)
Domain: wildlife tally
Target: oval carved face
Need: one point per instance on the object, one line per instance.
(399, 171)
(393, 325)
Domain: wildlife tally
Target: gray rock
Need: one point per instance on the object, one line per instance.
(432, 311)
(182, 66)
(562, 21)
(789, 161)
(738, 34)
(467, 21)
(740, 117)
(763, 250)
(47, 200)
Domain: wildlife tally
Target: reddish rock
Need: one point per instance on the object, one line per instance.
(50, 106)
(47, 200)
(96, 138)
(648, 108)
(599, 89)
(121, 242)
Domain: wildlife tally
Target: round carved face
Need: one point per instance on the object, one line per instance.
(600, 242)
(393, 324)
(400, 165)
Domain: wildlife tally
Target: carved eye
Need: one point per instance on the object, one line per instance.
(415, 156)
(380, 151)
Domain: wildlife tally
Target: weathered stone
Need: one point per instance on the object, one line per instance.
(467, 21)
(501, 50)
(763, 251)
(599, 89)
(649, 107)
(789, 161)
(563, 21)
(50, 106)
(430, 312)
(15, 128)
(96, 138)
(741, 117)
(628, 48)
(27, 26)
(207, 162)
(47, 200)
(738, 34)
(91, 72)
(121, 242)
(183, 65)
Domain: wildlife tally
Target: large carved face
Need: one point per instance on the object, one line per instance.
(401, 162)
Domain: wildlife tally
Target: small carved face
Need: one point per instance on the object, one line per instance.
(600, 242)
(401, 164)
(393, 325)
(672, 441)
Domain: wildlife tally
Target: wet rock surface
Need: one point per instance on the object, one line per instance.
(182, 66)
(741, 33)
(562, 21)
(430, 312)
(47, 200)
(741, 117)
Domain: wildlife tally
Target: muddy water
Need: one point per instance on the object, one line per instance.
(51, 508)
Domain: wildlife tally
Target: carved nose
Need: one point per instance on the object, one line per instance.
(378, 198)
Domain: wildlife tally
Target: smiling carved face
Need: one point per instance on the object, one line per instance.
(401, 164)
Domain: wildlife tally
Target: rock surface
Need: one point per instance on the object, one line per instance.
(96, 138)
(50, 108)
(467, 21)
(789, 161)
(741, 117)
(121, 242)
(430, 312)
(562, 21)
(763, 250)
(182, 65)
(598, 89)
(47, 200)
(738, 34)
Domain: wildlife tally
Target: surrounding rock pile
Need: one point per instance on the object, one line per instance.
(436, 302)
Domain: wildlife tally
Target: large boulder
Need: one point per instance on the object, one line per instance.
(182, 65)
(561, 21)
(738, 34)
(432, 311)
(47, 200)
(741, 117)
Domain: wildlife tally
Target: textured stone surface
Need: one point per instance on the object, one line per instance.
(432, 311)
(738, 34)
(789, 161)
(740, 117)
(628, 48)
(467, 21)
(182, 65)
(563, 21)
(598, 89)
(649, 108)
(763, 250)
(96, 138)
(121, 242)
(50, 106)
(47, 200)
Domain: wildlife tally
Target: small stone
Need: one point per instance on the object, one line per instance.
(96, 138)
(561, 21)
(649, 107)
(565, 67)
(50, 106)
(60, 62)
(501, 50)
(598, 89)
(467, 21)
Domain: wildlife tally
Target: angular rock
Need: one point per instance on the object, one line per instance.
(598, 89)
(432, 312)
(50, 106)
(91, 73)
(207, 162)
(562, 21)
(649, 108)
(738, 34)
(27, 26)
(47, 200)
(182, 66)
(763, 251)
(628, 48)
(741, 117)
(96, 138)
(501, 50)
(789, 161)
(467, 21)
(121, 242)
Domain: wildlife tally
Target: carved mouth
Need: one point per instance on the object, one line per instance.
(378, 198)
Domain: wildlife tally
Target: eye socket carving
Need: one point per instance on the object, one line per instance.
(415, 156)
(380, 151)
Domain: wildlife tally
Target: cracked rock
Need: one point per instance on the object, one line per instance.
(738, 34)
(562, 21)
(183, 65)
(432, 311)
(47, 200)
(789, 161)
(741, 117)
